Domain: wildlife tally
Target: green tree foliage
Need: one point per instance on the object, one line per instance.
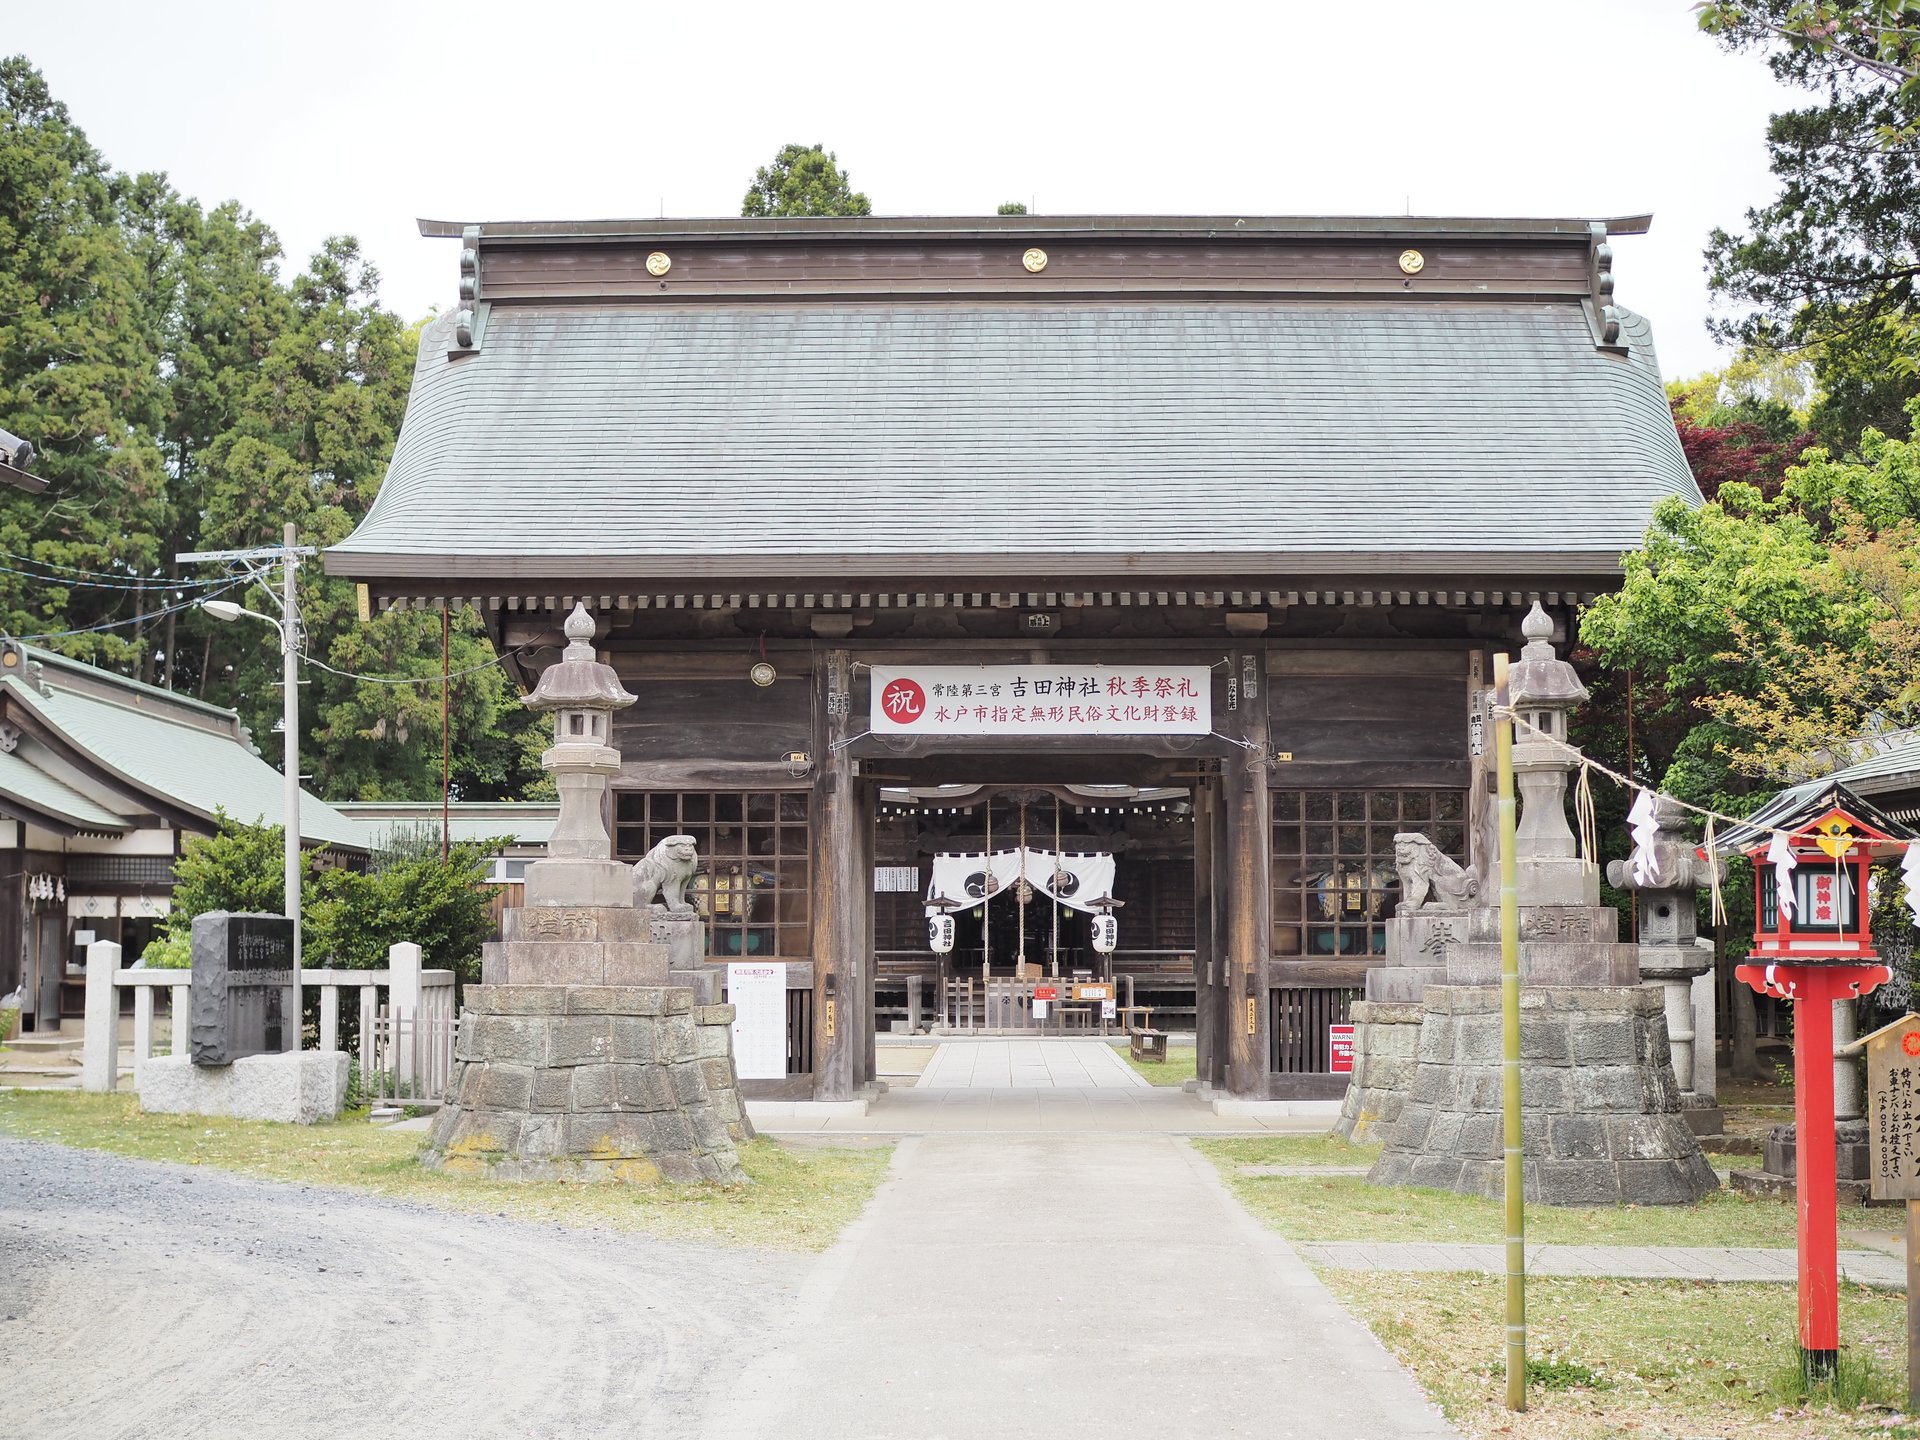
(803, 180)
(1779, 631)
(77, 377)
(349, 918)
(1834, 258)
(408, 894)
(1011, 207)
(184, 396)
(238, 867)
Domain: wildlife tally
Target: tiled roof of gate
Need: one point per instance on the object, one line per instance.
(935, 430)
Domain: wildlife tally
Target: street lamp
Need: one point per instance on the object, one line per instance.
(289, 632)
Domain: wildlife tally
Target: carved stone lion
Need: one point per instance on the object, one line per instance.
(665, 872)
(1428, 877)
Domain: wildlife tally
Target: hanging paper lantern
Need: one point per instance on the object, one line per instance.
(940, 933)
(1106, 933)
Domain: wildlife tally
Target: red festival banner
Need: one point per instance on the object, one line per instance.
(1042, 700)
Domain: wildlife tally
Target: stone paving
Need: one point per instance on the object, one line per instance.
(1037, 1086)
(1064, 1286)
(1029, 1065)
(1626, 1262)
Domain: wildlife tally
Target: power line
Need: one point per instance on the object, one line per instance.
(72, 569)
(157, 583)
(415, 679)
(117, 624)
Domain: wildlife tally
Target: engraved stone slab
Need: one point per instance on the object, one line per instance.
(573, 962)
(1543, 962)
(576, 922)
(245, 995)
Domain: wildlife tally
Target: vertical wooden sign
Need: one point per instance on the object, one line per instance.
(1893, 1145)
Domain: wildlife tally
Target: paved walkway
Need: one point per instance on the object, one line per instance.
(1059, 1287)
(1029, 1065)
(1627, 1262)
(1035, 1087)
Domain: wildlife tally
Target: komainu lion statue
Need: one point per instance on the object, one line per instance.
(1429, 877)
(665, 872)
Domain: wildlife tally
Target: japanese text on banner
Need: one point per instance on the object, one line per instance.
(1042, 700)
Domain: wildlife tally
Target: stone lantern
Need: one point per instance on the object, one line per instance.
(1542, 688)
(581, 694)
(1668, 872)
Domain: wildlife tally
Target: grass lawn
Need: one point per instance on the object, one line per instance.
(1639, 1358)
(1176, 1069)
(800, 1199)
(1348, 1208)
(1286, 1150)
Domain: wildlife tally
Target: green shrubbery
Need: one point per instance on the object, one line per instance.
(407, 893)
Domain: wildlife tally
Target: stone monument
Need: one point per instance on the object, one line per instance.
(244, 1058)
(245, 998)
(581, 1057)
(1601, 1119)
(1667, 872)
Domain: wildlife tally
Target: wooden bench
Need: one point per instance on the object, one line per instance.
(1147, 1044)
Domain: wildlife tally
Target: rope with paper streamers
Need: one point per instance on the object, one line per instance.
(1583, 808)
(1583, 814)
(1585, 763)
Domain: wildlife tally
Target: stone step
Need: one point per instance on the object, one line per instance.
(48, 1043)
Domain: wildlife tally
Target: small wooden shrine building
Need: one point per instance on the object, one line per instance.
(817, 479)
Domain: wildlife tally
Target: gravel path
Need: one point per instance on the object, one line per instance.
(143, 1299)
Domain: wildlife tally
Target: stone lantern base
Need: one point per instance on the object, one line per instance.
(1386, 1056)
(1601, 1121)
(592, 1082)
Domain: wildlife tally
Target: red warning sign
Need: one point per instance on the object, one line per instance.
(1340, 1049)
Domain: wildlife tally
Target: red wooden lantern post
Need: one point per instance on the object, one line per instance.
(1812, 945)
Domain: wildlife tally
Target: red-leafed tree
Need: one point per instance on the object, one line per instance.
(1740, 450)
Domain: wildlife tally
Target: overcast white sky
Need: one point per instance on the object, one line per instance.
(356, 117)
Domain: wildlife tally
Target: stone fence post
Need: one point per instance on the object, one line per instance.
(100, 1035)
(403, 1001)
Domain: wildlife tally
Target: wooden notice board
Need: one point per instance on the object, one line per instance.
(1893, 1148)
(1893, 1109)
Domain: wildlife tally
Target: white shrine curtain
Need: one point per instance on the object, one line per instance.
(1083, 877)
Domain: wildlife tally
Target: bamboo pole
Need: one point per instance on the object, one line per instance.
(1510, 1050)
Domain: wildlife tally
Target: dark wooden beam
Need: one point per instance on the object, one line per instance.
(836, 901)
(1249, 874)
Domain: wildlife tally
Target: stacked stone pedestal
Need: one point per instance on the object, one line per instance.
(1386, 1056)
(576, 945)
(1601, 1121)
(591, 1082)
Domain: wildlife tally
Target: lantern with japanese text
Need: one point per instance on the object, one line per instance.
(1106, 933)
(1810, 878)
(940, 927)
(1811, 849)
(940, 933)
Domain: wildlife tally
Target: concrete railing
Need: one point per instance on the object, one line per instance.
(411, 991)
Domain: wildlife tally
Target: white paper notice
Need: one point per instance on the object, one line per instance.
(758, 994)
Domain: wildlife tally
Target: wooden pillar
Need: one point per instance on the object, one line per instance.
(1206, 957)
(835, 904)
(1248, 873)
(866, 806)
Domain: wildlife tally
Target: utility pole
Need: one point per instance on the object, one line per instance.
(290, 717)
(258, 562)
